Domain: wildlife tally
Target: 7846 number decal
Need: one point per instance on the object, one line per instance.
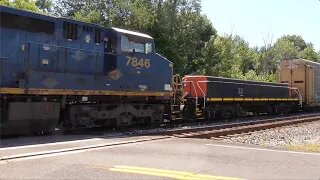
(138, 63)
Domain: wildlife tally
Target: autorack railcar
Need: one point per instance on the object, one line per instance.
(305, 75)
(57, 70)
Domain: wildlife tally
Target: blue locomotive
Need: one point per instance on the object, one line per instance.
(62, 71)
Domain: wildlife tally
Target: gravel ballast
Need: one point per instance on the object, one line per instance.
(283, 137)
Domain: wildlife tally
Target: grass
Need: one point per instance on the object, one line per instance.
(306, 148)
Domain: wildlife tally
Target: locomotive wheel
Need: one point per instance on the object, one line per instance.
(124, 119)
(156, 116)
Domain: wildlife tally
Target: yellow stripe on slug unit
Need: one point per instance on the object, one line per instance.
(215, 99)
(239, 99)
(228, 99)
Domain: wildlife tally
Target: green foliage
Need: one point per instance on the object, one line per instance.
(134, 15)
(309, 53)
(286, 47)
(231, 56)
(183, 40)
(21, 4)
(298, 42)
(45, 5)
(252, 75)
(5, 2)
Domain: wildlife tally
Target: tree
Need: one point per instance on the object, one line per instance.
(285, 49)
(229, 56)
(298, 42)
(309, 53)
(45, 5)
(21, 4)
(5, 2)
(132, 14)
(181, 33)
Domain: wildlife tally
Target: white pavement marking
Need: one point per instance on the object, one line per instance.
(49, 144)
(56, 154)
(61, 152)
(261, 149)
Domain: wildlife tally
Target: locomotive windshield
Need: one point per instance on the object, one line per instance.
(131, 43)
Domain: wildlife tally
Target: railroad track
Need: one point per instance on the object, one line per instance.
(193, 132)
(241, 127)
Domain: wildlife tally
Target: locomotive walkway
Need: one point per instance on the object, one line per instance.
(160, 158)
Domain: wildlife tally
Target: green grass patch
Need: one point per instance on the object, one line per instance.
(306, 148)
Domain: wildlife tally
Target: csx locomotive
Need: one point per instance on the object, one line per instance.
(57, 72)
(79, 74)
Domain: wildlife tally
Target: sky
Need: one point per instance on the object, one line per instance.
(259, 21)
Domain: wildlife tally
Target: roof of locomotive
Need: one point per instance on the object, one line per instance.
(132, 33)
(238, 80)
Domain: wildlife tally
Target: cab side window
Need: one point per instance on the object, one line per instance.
(136, 44)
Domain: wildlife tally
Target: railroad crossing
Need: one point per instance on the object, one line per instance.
(149, 157)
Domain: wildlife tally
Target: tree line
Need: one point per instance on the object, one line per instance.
(183, 34)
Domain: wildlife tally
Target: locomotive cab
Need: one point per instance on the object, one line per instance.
(134, 47)
(131, 61)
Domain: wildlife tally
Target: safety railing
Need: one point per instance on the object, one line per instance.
(194, 89)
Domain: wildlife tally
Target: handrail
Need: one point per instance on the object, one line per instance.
(300, 96)
(66, 47)
(204, 95)
(183, 82)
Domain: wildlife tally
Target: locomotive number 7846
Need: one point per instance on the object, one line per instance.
(138, 63)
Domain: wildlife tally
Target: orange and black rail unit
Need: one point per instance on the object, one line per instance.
(232, 97)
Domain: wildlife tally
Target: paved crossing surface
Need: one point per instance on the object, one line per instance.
(163, 158)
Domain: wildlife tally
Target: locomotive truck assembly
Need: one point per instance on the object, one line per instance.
(67, 73)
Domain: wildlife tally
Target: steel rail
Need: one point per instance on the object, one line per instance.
(240, 127)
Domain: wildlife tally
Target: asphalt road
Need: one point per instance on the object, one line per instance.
(171, 158)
